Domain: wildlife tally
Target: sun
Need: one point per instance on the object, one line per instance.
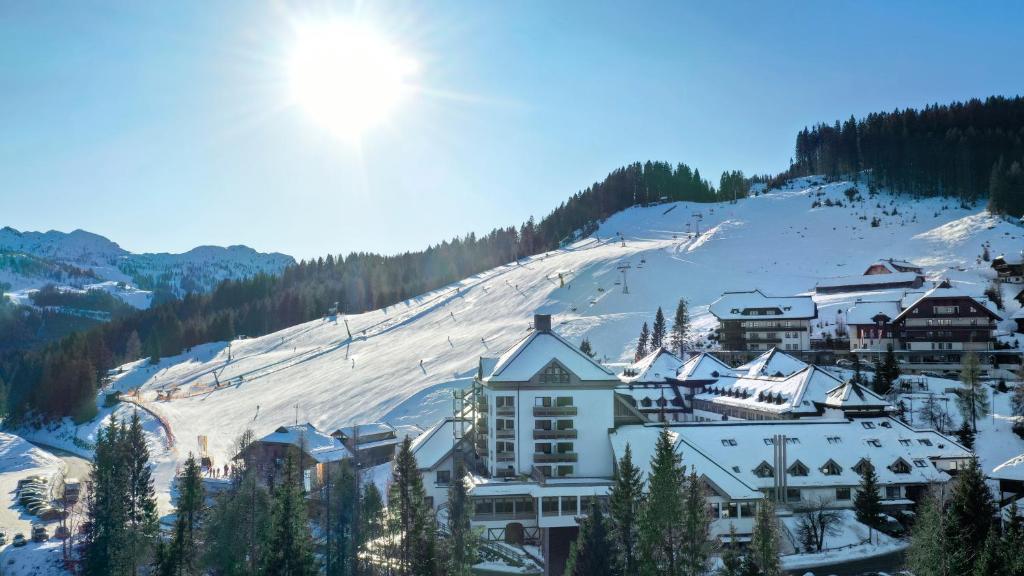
(348, 77)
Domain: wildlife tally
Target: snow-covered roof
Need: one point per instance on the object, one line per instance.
(367, 431)
(774, 362)
(1012, 259)
(321, 447)
(731, 306)
(1012, 469)
(890, 264)
(738, 447)
(434, 445)
(703, 366)
(1019, 314)
(864, 312)
(653, 368)
(853, 396)
(944, 292)
(535, 351)
(642, 441)
(869, 280)
(799, 392)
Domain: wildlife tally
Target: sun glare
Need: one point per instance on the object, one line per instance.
(347, 77)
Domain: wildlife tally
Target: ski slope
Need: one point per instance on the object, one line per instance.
(401, 362)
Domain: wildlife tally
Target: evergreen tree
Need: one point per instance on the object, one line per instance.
(970, 513)
(585, 348)
(661, 535)
(1013, 541)
(593, 556)
(929, 553)
(965, 435)
(463, 542)
(235, 534)
(182, 556)
(878, 384)
(681, 328)
(641, 345)
(989, 561)
(695, 556)
(658, 330)
(414, 519)
(763, 555)
(341, 495)
(3, 399)
(133, 347)
(867, 504)
(626, 502)
(371, 516)
(143, 522)
(106, 534)
(890, 366)
(858, 377)
(289, 548)
(973, 401)
(732, 556)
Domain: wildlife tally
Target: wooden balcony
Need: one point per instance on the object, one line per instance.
(505, 456)
(540, 434)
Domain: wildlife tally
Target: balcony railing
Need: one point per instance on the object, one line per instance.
(505, 434)
(505, 410)
(539, 434)
(554, 411)
(544, 457)
(505, 456)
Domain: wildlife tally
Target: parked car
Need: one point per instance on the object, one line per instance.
(19, 540)
(72, 489)
(62, 532)
(50, 513)
(3, 537)
(39, 533)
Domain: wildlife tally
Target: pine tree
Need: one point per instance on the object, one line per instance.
(929, 553)
(973, 401)
(858, 377)
(732, 556)
(890, 366)
(989, 561)
(641, 345)
(763, 554)
(106, 535)
(412, 515)
(970, 512)
(867, 504)
(236, 529)
(661, 535)
(371, 516)
(681, 327)
(143, 522)
(625, 502)
(695, 556)
(593, 555)
(463, 542)
(878, 385)
(289, 549)
(3, 399)
(1013, 541)
(342, 499)
(585, 348)
(965, 435)
(658, 330)
(133, 347)
(181, 557)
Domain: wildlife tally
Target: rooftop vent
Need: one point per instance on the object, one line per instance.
(542, 322)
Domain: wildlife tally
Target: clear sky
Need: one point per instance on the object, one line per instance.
(168, 125)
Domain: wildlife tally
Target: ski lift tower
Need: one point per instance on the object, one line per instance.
(624, 267)
(697, 217)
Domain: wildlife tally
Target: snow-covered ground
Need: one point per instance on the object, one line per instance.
(851, 542)
(402, 362)
(19, 459)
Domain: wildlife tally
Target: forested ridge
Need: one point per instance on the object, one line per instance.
(971, 150)
(61, 379)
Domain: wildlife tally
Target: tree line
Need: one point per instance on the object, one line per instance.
(61, 378)
(970, 150)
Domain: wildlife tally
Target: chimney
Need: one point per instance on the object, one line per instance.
(542, 322)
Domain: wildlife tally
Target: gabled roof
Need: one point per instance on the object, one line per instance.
(319, 446)
(703, 366)
(367, 430)
(434, 445)
(891, 264)
(1012, 469)
(942, 292)
(795, 394)
(863, 313)
(774, 362)
(869, 280)
(535, 351)
(730, 306)
(653, 368)
(852, 396)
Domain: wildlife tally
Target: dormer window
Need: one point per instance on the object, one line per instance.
(900, 466)
(924, 442)
(861, 466)
(764, 470)
(728, 441)
(831, 468)
(798, 469)
(646, 402)
(554, 374)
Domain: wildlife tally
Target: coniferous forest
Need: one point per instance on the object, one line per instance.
(61, 378)
(970, 150)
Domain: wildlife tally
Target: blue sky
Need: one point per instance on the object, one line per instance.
(168, 126)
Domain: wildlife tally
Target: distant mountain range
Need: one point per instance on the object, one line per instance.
(81, 259)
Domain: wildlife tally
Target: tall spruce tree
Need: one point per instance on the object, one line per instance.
(661, 534)
(182, 556)
(235, 534)
(106, 539)
(371, 522)
(341, 499)
(143, 521)
(965, 435)
(658, 330)
(463, 543)
(695, 553)
(867, 504)
(973, 400)
(929, 553)
(732, 556)
(593, 555)
(763, 555)
(626, 502)
(970, 513)
(414, 519)
(680, 335)
(289, 548)
(641, 345)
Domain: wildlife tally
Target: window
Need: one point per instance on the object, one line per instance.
(892, 492)
(834, 440)
(842, 493)
(483, 507)
(861, 466)
(900, 466)
(564, 471)
(563, 401)
(769, 442)
(545, 471)
(792, 494)
(728, 441)
(505, 401)
(764, 470)
(920, 463)
(564, 447)
(831, 468)
(646, 402)
(947, 309)
(504, 506)
(543, 401)
(868, 425)
(505, 424)
(554, 374)
(444, 476)
(549, 506)
(798, 469)
(569, 506)
(500, 446)
(924, 442)
(874, 442)
(747, 509)
(542, 447)
(565, 425)
(542, 425)
(429, 501)
(905, 441)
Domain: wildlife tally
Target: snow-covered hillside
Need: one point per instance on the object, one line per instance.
(400, 363)
(83, 260)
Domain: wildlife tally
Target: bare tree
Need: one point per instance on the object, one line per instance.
(71, 506)
(817, 520)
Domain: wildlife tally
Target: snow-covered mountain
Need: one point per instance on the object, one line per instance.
(401, 363)
(83, 260)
